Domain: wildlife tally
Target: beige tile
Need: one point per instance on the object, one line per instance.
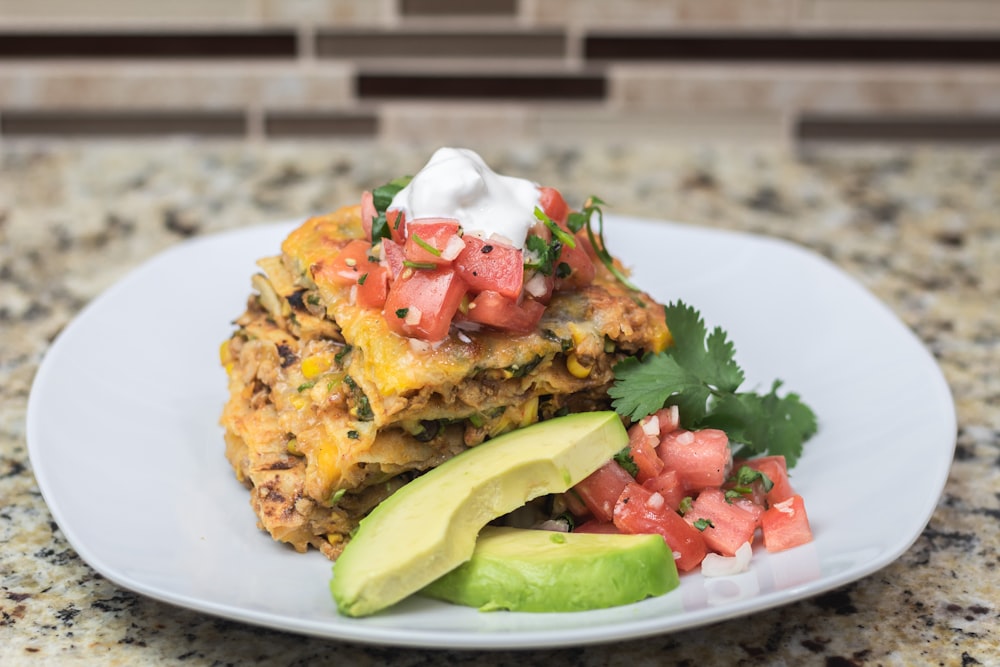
(808, 87)
(648, 14)
(173, 86)
(572, 124)
(329, 12)
(894, 15)
(113, 12)
(466, 124)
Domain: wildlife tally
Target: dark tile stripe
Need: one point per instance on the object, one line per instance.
(546, 44)
(814, 48)
(284, 124)
(148, 45)
(120, 124)
(458, 7)
(547, 87)
(821, 127)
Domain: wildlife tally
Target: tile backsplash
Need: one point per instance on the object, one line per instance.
(454, 70)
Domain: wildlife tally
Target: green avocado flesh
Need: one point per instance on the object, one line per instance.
(543, 571)
(429, 527)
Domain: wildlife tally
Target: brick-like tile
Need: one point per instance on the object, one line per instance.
(319, 124)
(458, 7)
(818, 88)
(144, 44)
(650, 14)
(121, 124)
(825, 47)
(934, 16)
(118, 12)
(911, 127)
(449, 86)
(328, 12)
(117, 85)
(438, 44)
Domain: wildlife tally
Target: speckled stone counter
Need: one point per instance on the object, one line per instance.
(919, 227)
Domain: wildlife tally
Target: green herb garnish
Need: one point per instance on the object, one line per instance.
(700, 375)
(382, 198)
(578, 220)
(625, 460)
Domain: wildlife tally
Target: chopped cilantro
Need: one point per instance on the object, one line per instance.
(402, 312)
(702, 524)
(700, 375)
(544, 254)
(625, 460)
(305, 385)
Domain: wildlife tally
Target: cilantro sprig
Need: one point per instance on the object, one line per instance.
(699, 375)
(382, 198)
(583, 218)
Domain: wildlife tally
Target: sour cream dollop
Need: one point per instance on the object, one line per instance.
(456, 183)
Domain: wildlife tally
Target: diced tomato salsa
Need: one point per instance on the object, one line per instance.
(426, 268)
(686, 488)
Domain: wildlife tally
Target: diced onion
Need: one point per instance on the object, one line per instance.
(655, 501)
(413, 316)
(715, 565)
(353, 297)
(452, 249)
(536, 285)
(651, 426)
(685, 438)
(554, 525)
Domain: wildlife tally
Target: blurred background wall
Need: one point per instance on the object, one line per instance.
(457, 70)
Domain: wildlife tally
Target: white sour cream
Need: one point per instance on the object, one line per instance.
(456, 183)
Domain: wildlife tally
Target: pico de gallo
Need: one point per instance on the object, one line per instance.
(456, 265)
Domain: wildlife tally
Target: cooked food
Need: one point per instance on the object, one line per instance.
(389, 336)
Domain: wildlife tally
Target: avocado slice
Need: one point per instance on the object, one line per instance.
(429, 526)
(544, 571)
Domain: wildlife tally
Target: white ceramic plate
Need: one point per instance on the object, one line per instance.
(125, 445)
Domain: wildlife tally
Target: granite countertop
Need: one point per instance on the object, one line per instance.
(919, 227)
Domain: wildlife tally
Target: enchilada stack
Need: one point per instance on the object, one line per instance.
(330, 411)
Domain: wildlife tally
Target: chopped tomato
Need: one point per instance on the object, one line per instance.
(433, 241)
(489, 265)
(421, 303)
(668, 418)
(495, 310)
(639, 510)
(368, 212)
(348, 265)
(574, 268)
(642, 442)
(667, 484)
(595, 526)
(394, 257)
(600, 490)
(574, 504)
(776, 470)
(552, 203)
(749, 505)
(726, 526)
(786, 525)
(702, 458)
(373, 287)
(397, 226)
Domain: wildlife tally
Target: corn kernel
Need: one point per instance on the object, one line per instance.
(662, 340)
(575, 368)
(293, 447)
(224, 357)
(315, 365)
